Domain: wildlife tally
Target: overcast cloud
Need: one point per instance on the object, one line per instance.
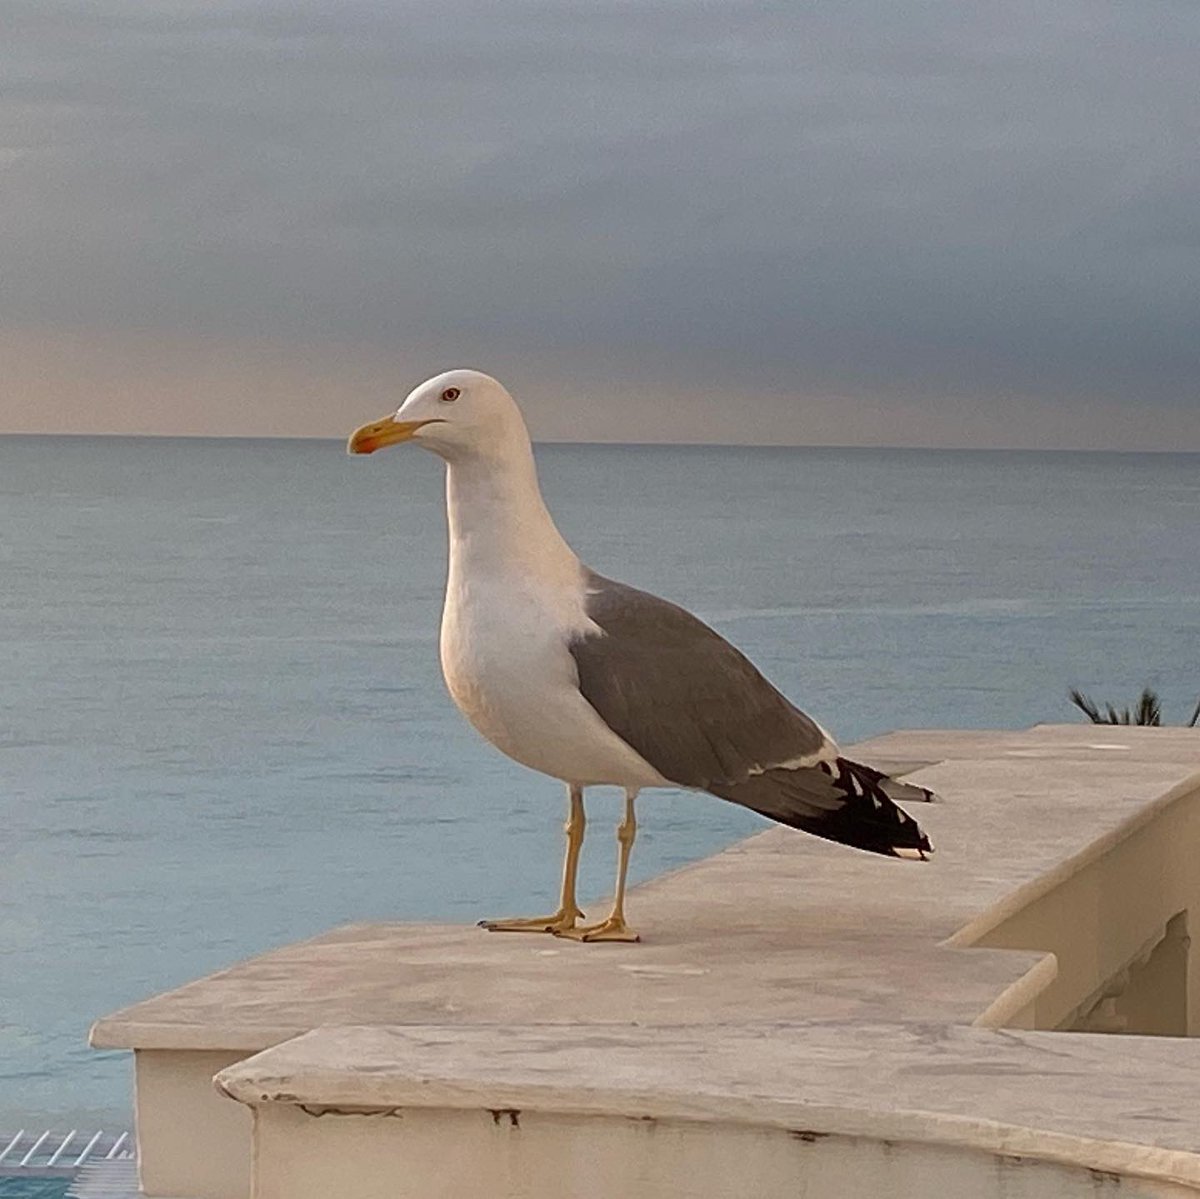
(896, 222)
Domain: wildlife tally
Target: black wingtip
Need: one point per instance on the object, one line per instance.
(871, 819)
(840, 801)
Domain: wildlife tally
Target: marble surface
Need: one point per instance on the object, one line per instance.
(1122, 1104)
(781, 927)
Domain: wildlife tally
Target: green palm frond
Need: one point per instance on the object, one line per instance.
(1085, 705)
(1147, 710)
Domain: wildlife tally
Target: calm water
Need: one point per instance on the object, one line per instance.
(222, 724)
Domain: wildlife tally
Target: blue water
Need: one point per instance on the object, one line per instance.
(33, 1188)
(222, 724)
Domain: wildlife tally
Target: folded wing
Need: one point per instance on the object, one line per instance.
(703, 716)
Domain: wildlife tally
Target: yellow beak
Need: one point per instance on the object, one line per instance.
(377, 434)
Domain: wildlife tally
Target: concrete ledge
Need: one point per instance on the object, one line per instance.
(1059, 896)
(786, 924)
(1122, 1106)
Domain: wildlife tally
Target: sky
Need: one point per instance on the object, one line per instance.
(885, 223)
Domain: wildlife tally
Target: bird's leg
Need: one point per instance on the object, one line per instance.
(568, 911)
(614, 927)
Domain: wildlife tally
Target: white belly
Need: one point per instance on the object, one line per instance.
(508, 668)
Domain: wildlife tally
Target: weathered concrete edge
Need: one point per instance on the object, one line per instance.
(256, 1087)
(117, 1031)
(989, 919)
(154, 1037)
(1026, 989)
(111, 1032)
(1018, 995)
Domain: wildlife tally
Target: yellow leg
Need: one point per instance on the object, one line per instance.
(614, 927)
(568, 911)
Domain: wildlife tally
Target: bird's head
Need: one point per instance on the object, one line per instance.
(453, 414)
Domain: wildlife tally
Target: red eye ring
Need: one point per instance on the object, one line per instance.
(450, 395)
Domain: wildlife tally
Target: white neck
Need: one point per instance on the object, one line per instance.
(498, 520)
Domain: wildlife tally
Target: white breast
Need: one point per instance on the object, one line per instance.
(514, 599)
(506, 661)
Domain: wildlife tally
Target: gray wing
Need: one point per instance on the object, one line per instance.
(700, 713)
(691, 704)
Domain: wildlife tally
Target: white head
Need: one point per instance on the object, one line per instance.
(457, 414)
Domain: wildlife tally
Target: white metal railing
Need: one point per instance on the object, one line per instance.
(59, 1153)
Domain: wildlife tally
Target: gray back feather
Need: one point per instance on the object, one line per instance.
(676, 691)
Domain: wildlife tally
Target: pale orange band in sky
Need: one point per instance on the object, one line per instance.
(82, 381)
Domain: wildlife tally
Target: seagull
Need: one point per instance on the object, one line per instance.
(596, 683)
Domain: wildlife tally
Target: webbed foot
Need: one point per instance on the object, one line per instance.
(612, 929)
(562, 922)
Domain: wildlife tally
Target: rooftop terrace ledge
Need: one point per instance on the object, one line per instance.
(785, 923)
(1059, 897)
(1121, 1106)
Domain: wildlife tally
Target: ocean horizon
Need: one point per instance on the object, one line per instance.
(223, 438)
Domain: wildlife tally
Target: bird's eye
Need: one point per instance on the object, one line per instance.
(451, 394)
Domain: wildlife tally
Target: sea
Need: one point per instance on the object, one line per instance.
(223, 726)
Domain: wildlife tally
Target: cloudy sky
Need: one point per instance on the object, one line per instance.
(883, 222)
